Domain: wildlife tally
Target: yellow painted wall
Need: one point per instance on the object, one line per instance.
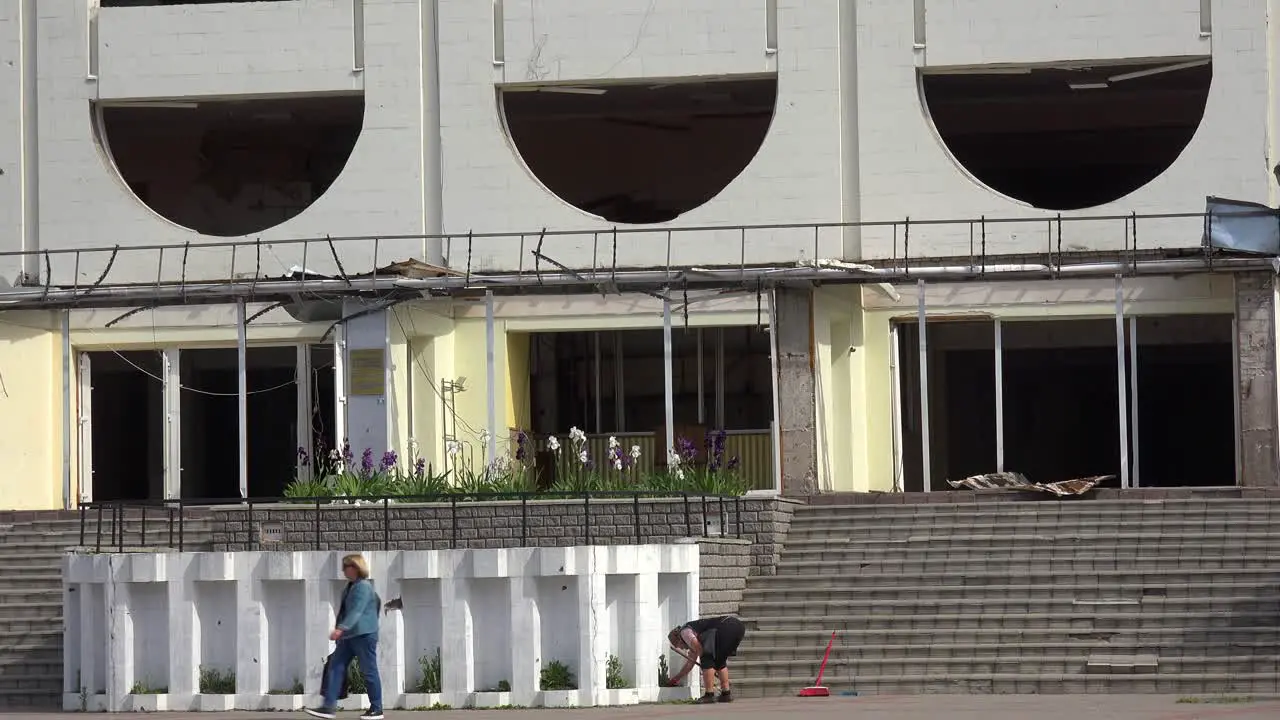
(519, 409)
(30, 414)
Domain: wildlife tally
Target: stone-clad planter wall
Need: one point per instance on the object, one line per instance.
(727, 560)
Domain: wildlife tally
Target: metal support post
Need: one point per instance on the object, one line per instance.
(491, 378)
(1122, 384)
(1133, 400)
(668, 377)
(702, 404)
(619, 396)
(595, 340)
(242, 394)
(925, 467)
(66, 409)
(999, 338)
(719, 389)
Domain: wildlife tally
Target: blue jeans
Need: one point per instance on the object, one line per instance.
(365, 649)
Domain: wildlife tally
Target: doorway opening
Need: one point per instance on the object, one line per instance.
(127, 425)
(639, 152)
(1067, 138)
(962, 406)
(1061, 412)
(211, 421)
(1185, 430)
(230, 167)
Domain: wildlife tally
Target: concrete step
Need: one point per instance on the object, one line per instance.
(809, 522)
(887, 620)
(756, 592)
(11, 597)
(815, 640)
(24, 625)
(992, 530)
(992, 573)
(1034, 664)
(1210, 550)
(780, 684)
(14, 679)
(1046, 506)
(1062, 607)
(190, 544)
(41, 608)
(38, 701)
(47, 579)
(1013, 651)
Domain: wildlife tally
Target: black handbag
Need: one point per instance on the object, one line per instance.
(324, 681)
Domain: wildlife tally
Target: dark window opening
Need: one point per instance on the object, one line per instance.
(639, 153)
(1186, 401)
(229, 168)
(210, 421)
(563, 380)
(1067, 139)
(127, 425)
(1061, 411)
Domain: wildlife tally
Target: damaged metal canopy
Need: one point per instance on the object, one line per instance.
(1018, 481)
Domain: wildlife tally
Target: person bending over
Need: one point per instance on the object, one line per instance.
(708, 642)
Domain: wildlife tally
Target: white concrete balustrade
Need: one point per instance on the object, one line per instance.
(141, 628)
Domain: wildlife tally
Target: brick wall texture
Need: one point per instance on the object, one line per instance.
(760, 524)
(724, 564)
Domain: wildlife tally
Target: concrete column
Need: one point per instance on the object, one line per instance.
(184, 641)
(797, 427)
(91, 616)
(526, 640)
(455, 646)
(251, 645)
(318, 621)
(367, 355)
(650, 635)
(120, 633)
(593, 644)
(1256, 359)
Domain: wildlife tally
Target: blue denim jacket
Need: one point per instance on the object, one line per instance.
(359, 610)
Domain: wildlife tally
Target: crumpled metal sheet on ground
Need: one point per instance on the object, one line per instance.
(1018, 481)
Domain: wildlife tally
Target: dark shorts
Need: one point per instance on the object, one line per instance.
(721, 643)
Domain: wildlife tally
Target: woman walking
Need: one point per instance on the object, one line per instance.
(357, 637)
(709, 643)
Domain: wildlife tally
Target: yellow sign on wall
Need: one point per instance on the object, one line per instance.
(366, 373)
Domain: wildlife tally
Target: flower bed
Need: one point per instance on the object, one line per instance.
(338, 475)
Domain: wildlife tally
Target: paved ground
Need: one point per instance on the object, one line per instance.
(922, 707)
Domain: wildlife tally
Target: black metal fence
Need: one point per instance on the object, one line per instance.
(163, 523)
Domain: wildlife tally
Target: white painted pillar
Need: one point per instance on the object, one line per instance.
(459, 679)
(593, 647)
(391, 636)
(650, 635)
(999, 342)
(93, 615)
(119, 634)
(184, 635)
(526, 640)
(926, 461)
(1122, 381)
(702, 403)
(251, 641)
(172, 402)
(317, 623)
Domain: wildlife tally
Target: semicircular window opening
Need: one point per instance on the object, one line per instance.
(1068, 138)
(227, 168)
(639, 152)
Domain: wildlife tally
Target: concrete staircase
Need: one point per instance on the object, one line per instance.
(31, 594)
(1173, 596)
